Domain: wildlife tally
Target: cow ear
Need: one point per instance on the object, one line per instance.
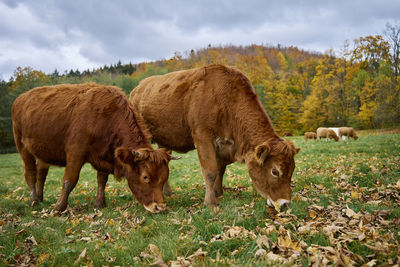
(175, 157)
(262, 152)
(169, 153)
(297, 150)
(125, 156)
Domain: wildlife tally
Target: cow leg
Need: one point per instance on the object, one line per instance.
(29, 164)
(70, 179)
(218, 188)
(209, 168)
(102, 178)
(167, 191)
(42, 170)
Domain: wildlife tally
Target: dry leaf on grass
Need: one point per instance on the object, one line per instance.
(81, 256)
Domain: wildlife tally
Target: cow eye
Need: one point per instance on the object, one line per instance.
(146, 179)
(275, 172)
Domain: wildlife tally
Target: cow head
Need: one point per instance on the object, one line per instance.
(271, 166)
(333, 135)
(146, 171)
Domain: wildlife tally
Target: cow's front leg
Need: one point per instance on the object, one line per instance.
(102, 178)
(167, 191)
(70, 179)
(209, 167)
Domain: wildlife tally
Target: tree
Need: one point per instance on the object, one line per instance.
(26, 79)
(370, 51)
(6, 135)
(393, 34)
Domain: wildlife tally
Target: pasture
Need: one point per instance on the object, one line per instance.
(345, 210)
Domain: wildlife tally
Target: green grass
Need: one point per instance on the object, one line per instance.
(330, 177)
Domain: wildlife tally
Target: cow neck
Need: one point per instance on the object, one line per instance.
(131, 134)
(254, 126)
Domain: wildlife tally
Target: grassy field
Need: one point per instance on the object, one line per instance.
(345, 211)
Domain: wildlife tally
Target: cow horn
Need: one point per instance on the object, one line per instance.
(136, 154)
(175, 157)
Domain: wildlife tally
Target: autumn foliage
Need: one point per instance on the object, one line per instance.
(300, 90)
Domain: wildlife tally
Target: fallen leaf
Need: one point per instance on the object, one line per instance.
(159, 262)
(260, 253)
(68, 231)
(382, 213)
(81, 256)
(276, 206)
(154, 249)
(262, 240)
(370, 263)
(75, 221)
(312, 214)
(198, 254)
(43, 257)
(20, 232)
(354, 195)
(275, 257)
(286, 242)
(32, 239)
(180, 262)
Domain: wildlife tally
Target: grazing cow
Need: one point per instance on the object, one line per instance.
(287, 134)
(323, 132)
(347, 131)
(310, 135)
(215, 109)
(68, 125)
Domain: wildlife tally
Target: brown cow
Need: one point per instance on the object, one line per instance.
(287, 133)
(68, 125)
(216, 110)
(323, 132)
(310, 135)
(347, 131)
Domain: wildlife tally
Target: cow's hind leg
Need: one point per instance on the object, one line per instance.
(41, 173)
(102, 178)
(70, 179)
(29, 167)
(29, 164)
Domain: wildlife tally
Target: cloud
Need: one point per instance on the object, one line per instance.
(46, 34)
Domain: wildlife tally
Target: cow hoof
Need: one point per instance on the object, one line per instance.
(218, 193)
(100, 205)
(211, 203)
(167, 193)
(34, 199)
(60, 207)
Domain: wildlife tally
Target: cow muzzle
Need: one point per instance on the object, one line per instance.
(277, 204)
(155, 207)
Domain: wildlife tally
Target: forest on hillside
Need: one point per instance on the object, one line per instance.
(358, 86)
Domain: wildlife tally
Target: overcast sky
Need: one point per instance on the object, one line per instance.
(81, 34)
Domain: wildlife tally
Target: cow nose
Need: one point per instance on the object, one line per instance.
(279, 203)
(155, 207)
(283, 202)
